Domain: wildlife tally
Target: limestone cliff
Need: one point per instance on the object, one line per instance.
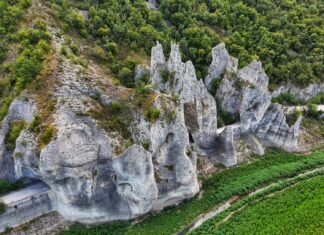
(115, 155)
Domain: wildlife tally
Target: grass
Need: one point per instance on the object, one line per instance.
(6, 187)
(13, 133)
(296, 210)
(216, 189)
(2, 208)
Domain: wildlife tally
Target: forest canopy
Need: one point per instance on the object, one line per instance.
(287, 36)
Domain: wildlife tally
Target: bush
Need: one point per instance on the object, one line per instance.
(47, 135)
(115, 107)
(13, 134)
(126, 76)
(6, 187)
(112, 48)
(152, 114)
(286, 99)
(2, 208)
(35, 125)
(99, 53)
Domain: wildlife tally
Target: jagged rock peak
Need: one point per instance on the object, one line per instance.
(274, 131)
(174, 63)
(157, 65)
(219, 64)
(254, 74)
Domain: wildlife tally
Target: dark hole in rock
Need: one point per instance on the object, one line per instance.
(191, 140)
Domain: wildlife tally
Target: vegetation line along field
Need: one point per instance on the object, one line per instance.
(296, 210)
(216, 189)
(254, 198)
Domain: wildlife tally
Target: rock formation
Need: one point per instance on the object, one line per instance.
(98, 174)
(199, 106)
(300, 93)
(244, 94)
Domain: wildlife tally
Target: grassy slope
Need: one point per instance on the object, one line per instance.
(298, 210)
(218, 188)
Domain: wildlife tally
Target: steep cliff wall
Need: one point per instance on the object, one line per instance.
(118, 153)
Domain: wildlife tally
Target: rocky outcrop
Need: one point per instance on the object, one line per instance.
(244, 94)
(274, 131)
(300, 93)
(99, 174)
(218, 65)
(253, 107)
(175, 164)
(199, 106)
(19, 110)
(158, 66)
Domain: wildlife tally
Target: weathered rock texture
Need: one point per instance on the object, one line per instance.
(176, 78)
(98, 174)
(244, 94)
(300, 93)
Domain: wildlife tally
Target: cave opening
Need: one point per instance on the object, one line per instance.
(191, 139)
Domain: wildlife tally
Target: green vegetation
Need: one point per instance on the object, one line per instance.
(33, 50)
(294, 211)
(152, 114)
(216, 189)
(290, 99)
(11, 12)
(6, 187)
(47, 135)
(2, 208)
(287, 36)
(13, 133)
(224, 118)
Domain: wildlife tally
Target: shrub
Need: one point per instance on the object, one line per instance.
(74, 48)
(47, 136)
(14, 133)
(125, 76)
(64, 50)
(312, 111)
(99, 53)
(112, 48)
(35, 125)
(6, 186)
(152, 114)
(2, 208)
(115, 107)
(214, 86)
(167, 76)
(286, 98)
(141, 88)
(146, 144)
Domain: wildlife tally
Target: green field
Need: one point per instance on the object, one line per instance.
(218, 188)
(297, 210)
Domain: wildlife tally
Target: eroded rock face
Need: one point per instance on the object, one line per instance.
(244, 94)
(97, 175)
(199, 105)
(253, 107)
(175, 165)
(300, 93)
(19, 110)
(217, 67)
(274, 131)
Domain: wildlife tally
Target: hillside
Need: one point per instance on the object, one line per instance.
(117, 110)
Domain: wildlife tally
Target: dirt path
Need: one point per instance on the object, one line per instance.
(202, 218)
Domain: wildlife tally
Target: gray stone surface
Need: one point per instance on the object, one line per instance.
(25, 205)
(97, 176)
(19, 110)
(219, 64)
(300, 93)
